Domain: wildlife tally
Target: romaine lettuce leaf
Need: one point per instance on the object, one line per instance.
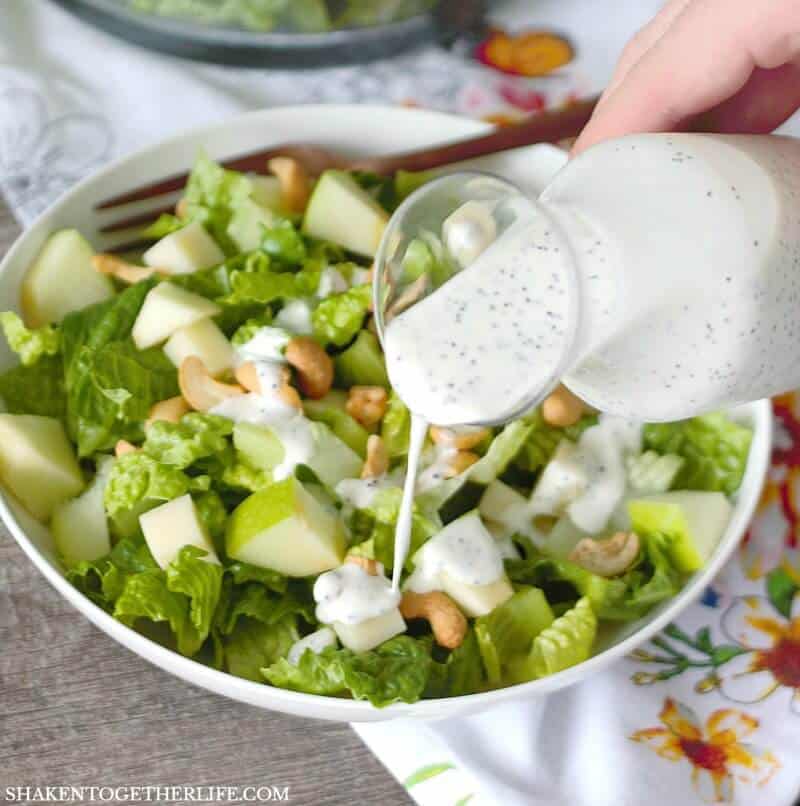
(566, 642)
(38, 389)
(255, 644)
(339, 317)
(29, 345)
(164, 225)
(137, 478)
(185, 597)
(714, 447)
(181, 444)
(461, 673)
(396, 671)
(283, 241)
(507, 633)
(110, 385)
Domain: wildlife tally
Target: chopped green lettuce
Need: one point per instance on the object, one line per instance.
(396, 671)
(506, 635)
(339, 317)
(715, 450)
(462, 672)
(543, 439)
(110, 385)
(283, 241)
(195, 437)
(38, 389)
(29, 345)
(255, 644)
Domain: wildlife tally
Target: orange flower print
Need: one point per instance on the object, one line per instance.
(773, 659)
(531, 54)
(715, 751)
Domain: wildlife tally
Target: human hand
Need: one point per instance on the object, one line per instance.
(720, 65)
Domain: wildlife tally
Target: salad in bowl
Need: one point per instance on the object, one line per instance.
(208, 431)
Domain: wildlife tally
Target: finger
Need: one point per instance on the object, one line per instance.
(704, 58)
(644, 40)
(769, 98)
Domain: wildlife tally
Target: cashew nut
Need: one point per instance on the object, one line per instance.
(114, 266)
(377, 462)
(410, 295)
(313, 365)
(372, 567)
(170, 411)
(367, 404)
(462, 440)
(199, 389)
(123, 447)
(562, 409)
(182, 208)
(295, 182)
(607, 558)
(459, 462)
(448, 623)
(247, 375)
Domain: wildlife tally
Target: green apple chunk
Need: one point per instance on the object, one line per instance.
(166, 309)
(171, 526)
(37, 463)
(340, 210)
(331, 411)
(80, 526)
(285, 528)
(332, 460)
(187, 250)
(62, 279)
(373, 632)
(204, 340)
(695, 520)
(476, 600)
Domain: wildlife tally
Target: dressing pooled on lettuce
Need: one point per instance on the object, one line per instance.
(208, 430)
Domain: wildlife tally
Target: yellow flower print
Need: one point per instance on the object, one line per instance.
(715, 751)
(773, 659)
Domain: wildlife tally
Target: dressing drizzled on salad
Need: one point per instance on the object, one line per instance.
(214, 442)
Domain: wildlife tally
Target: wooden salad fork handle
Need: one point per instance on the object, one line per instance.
(550, 126)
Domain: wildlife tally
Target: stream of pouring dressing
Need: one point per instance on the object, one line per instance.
(502, 331)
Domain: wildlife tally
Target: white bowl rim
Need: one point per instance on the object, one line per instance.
(319, 706)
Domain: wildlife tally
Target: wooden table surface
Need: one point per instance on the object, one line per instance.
(77, 708)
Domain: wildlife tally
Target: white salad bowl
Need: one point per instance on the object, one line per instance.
(365, 130)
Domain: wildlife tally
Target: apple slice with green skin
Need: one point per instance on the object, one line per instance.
(80, 526)
(332, 460)
(503, 504)
(62, 279)
(171, 526)
(187, 250)
(286, 529)
(370, 633)
(695, 520)
(266, 192)
(166, 309)
(331, 411)
(204, 340)
(476, 600)
(340, 210)
(38, 463)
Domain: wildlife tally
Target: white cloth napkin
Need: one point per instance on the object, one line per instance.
(664, 728)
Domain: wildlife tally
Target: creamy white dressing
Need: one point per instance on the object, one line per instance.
(464, 550)
(316, 642)
(267, 344)
(295, 316)
(350, 595)
(402, 535)
(268, 409)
